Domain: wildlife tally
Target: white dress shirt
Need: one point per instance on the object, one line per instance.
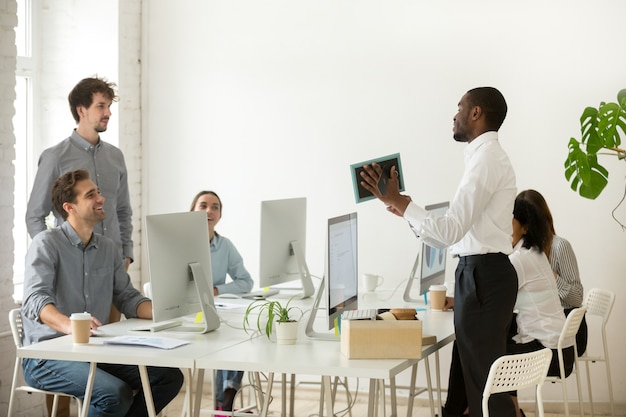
(480, 215)
(539, 312)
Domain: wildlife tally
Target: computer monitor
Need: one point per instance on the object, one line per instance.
(430, 263)
(283, 242)
(339, 288)
(342, 277)
(179, 262)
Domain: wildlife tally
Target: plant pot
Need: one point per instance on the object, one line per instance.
(286, 332)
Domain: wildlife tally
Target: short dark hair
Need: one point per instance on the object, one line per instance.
(82, 93)
(532, 216)
(200, 194)
(492, 103)
(63, 189)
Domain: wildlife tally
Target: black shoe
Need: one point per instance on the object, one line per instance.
(522, 412)
(229, 397)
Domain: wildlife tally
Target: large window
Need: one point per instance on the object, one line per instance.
(23, 129)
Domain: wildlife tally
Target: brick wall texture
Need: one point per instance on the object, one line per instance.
(58, 16)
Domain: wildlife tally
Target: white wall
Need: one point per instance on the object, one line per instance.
(265, 100)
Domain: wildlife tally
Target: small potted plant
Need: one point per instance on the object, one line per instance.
(274, 312)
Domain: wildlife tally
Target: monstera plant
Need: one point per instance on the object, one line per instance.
(602, 129)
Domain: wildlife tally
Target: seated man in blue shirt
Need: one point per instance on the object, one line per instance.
(71, 269)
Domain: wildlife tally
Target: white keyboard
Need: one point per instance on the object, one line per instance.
(261, 294)
(360, 314)
(158, 326)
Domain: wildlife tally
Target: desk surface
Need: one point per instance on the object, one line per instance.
(322, 357)
(62, 348)
(232, 348)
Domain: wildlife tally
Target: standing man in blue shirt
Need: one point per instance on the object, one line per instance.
(478, 228)
(90, 104)
(72, 269)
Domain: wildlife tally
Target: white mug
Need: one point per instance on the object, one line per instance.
(371, 281)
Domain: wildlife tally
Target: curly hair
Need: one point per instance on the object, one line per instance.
(82, 94)
(63, 189)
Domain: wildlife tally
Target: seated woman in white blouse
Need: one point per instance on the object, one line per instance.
(540, 317)
(563, 261)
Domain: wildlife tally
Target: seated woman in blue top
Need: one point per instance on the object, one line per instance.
(225, 260)
(540, 317)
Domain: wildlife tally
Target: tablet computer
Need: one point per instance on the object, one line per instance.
(386, 163)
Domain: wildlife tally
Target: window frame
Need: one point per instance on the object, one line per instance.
(23, 127)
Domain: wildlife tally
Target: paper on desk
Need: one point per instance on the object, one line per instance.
(146, 341)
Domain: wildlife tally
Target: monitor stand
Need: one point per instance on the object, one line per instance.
(211, 319)
(308, 289)
(310, 332)
(205, 295)
(413, 277)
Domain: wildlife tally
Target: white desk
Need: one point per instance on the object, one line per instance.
(231, 348)
(62, 348)
(324, 358)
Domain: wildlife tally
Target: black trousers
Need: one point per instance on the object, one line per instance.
(484, 297)
(456, 402)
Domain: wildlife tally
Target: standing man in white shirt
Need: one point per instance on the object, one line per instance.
(477, 227)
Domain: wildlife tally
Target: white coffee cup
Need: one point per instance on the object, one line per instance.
(371, 281)
(81, 327)
(437, 297)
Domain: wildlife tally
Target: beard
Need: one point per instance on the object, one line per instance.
(102, 127)
(460, 136)
(460, 133)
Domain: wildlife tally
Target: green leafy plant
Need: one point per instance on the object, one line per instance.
(602, 129)
(274, 311)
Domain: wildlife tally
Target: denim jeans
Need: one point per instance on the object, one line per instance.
(226, 379)
(113, 386)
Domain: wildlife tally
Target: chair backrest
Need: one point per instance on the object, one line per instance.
(147, 290)
(599, 302)
(15, 320)
(571, 326)
(512, 372)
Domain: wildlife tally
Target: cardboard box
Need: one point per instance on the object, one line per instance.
(383, 339)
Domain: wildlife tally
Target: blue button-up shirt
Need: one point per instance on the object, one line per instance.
(225, 259)
(107, 170)
(75, 277)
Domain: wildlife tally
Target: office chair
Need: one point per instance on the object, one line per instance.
(572, 323)
(599, 303)
(15, 320)
(513, 372)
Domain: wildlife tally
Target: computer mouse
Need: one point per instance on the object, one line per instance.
(228, 295)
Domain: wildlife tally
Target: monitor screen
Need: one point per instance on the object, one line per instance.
(341, 279)
(283, 243)
(174, 242)
(433, 265)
